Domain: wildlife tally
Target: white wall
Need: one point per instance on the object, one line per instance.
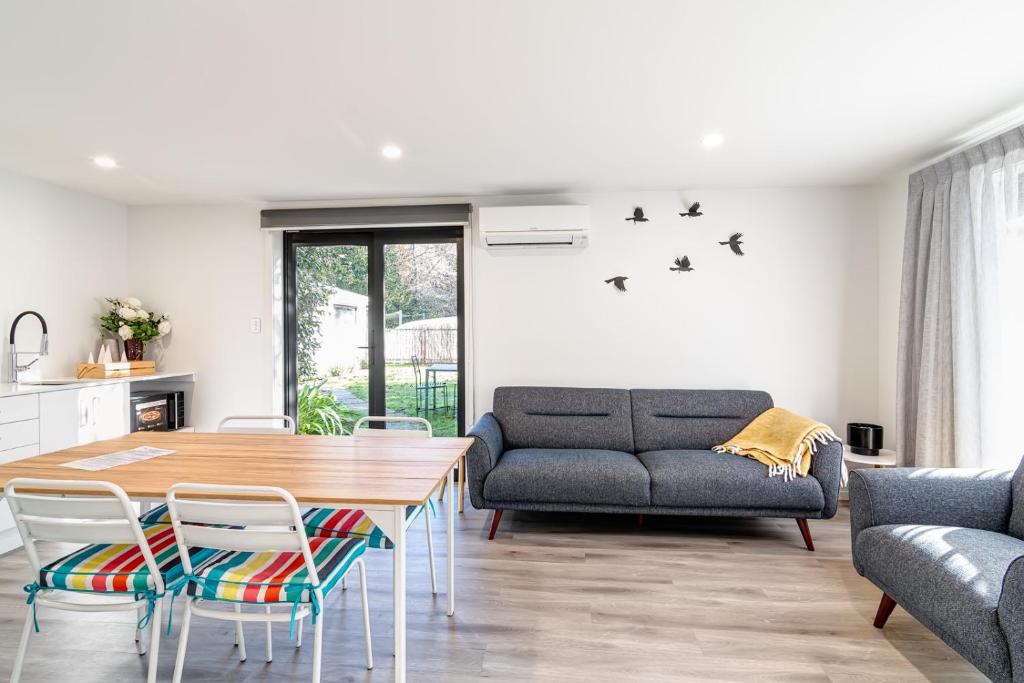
(892, 218)
(208, 267)
(61, 253)
(796, 316)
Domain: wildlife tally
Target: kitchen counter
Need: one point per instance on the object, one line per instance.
(24, 388)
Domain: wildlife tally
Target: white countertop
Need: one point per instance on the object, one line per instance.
(8, 389)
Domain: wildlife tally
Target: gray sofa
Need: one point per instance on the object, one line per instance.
(640, 451)
(946, 545)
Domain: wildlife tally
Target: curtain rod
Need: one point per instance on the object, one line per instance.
(991, 128)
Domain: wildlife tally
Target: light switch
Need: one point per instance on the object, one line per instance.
(255, 325)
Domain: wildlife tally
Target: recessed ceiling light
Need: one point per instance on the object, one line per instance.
(712, 140)
(391, 152)
(104, 162)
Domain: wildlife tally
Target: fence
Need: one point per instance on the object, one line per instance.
(430, 345)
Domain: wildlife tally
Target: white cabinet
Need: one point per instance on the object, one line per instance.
(73, 417)
(19, 438)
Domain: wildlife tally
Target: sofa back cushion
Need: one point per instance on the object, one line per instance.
(671, 419)
(560, 417)
(1017, 514)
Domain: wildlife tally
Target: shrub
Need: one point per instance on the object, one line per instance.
(320, 413)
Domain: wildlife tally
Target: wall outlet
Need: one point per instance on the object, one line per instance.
(255, 325)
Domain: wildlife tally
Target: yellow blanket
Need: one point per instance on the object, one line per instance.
(781, 440)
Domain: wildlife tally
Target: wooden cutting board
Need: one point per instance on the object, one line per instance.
(132, 368)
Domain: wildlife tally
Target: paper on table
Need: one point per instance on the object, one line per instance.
(104, 462)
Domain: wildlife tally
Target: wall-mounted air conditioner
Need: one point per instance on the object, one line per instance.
(524, 227)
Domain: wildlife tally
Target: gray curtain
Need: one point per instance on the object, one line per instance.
(953, 380)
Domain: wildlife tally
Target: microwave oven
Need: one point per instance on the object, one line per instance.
(156, 411)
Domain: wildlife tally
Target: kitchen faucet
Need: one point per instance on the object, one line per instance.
(44, 347)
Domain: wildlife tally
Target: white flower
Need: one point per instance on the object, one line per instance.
(124, 332)
(127, 313)
(141, 314)
(132, 301)
(164, 327)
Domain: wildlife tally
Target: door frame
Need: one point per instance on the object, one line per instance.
(374, 239)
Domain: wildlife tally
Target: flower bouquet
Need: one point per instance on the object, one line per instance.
(134, 325)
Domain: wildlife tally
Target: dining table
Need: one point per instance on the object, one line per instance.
(379, 476)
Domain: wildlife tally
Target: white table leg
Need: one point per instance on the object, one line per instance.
(452, 498)
(399, 590)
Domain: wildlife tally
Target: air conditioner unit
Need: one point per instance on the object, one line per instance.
(523, 227)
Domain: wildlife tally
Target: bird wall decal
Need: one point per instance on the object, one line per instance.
(619, 281)
(734, 243)
(693, 211)
(682, 265)
(638, 215)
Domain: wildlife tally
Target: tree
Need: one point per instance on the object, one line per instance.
(318, 272)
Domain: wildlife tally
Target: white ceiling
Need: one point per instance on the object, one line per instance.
(206, 101)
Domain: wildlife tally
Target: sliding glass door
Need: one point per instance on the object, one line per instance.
(374, 326)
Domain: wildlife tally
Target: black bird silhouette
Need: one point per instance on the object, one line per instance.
(638, 215)
(693, 211)
(734, 243)
(619, 281)
(682, 265)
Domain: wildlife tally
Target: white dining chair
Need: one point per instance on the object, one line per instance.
(251, 528)
(229, 425)
(122, 562)
(233, 424)
(346, 523)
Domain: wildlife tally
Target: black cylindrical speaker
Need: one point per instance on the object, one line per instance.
(864, 438)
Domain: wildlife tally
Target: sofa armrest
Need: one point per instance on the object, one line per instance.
(1011, 615)
(971, 498)
(483, 455)
(827, 468)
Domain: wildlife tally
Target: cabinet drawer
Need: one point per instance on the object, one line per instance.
(18, 408)
(20, 453)
(17, 434)
(10, 455)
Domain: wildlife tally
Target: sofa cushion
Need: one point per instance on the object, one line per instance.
(1017, 515)
(553, 417)
(695, 478)
(666, 419)
(573, 475)
(949, 578)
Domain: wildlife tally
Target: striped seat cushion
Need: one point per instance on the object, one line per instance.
(158, 515)
(117, 568)
(267, 577)
(332, 523)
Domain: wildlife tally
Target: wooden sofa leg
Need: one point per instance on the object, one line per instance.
(885, 608)
(805, 531)
(494, 525)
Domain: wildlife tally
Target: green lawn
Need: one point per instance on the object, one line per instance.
(401, 396)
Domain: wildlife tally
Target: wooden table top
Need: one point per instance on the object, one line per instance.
(314, 469)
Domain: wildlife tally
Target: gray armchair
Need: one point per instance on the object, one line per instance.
(947, 545)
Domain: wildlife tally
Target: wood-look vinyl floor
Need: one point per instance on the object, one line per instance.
(553, 598)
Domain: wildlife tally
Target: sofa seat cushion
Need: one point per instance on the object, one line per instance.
(568, 475)
(705, 479)
(949, 578)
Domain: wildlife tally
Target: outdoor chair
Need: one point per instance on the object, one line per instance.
(428, 388)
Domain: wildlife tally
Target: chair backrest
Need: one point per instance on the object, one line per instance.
(237, 518)
(288, 428)
(54, 510)
(359, 430)
(416, 371)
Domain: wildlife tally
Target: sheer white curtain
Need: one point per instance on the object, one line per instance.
(961, 377)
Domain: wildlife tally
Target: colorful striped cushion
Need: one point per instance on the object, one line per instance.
(267, 577)
(158, 515)
(107, 568)
(332, 523)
